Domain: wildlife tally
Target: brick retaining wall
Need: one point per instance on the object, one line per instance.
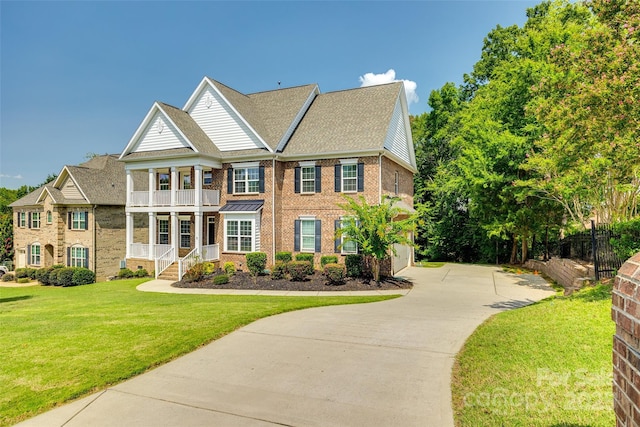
(626, 344)
(567, 273)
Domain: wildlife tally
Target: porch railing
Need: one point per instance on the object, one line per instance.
(164, 261)
(211, 252)
(183, 198)
(188, 261)
(141, 250)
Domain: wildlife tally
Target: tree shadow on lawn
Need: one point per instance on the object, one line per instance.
(511, 304)
(12, 299)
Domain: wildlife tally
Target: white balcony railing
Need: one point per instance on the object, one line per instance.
(183, 198)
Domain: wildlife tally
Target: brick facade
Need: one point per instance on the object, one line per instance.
(626, 344)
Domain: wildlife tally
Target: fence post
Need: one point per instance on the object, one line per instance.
(594, 250)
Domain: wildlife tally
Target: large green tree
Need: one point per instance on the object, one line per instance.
(375, 228)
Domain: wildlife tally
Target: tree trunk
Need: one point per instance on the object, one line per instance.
(375, 269)
(514, 250)
(525, 249)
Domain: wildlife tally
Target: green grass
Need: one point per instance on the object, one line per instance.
(429, 264)
(58, 344)
(548, 364)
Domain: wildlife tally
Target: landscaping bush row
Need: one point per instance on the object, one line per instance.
(59, 275)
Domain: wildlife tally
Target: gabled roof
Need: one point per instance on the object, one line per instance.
(354, 120)
(101, 181)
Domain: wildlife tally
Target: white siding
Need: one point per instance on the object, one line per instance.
(160, 134)
(70, 191)
(397, 141)
(221, 124)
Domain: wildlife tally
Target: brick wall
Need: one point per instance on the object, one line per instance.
(626, 344)
(567, 273)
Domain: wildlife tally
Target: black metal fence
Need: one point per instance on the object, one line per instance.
(593, 246)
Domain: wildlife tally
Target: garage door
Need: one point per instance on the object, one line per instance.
(402, 257)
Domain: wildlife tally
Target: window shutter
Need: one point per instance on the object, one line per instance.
(338, 178)
(69, 220)
(318, 236)
(296, 179)
(29, 219)
(336, 243)
(296, 235)
(318, 179)
(86, 257)
(230, 181)
(86, 220)
(261, 178)
(28, 254)
(360, 176)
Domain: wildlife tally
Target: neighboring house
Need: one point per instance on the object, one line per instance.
(76, 220)
(231, 173)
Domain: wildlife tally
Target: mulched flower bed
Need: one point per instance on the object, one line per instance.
(317, 282)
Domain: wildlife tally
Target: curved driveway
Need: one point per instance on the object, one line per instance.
(379, 364)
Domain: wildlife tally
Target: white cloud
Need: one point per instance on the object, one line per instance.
(371, 79)
(2, 175)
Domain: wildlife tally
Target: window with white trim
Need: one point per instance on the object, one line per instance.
(164, 181)
(308, 235)
(207, 178)
(185, 233)
(239, 235)
(78, 220)
(35, 219)
(78, 256)
(22, 219)
(308, 179)
(246, 180)
(163, 231)
(186, 181)
(350, 178)
(347, 246)
(35, 254)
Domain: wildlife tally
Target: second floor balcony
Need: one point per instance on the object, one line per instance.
(181, 198)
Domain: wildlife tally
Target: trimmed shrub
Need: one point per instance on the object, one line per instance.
(298, 270)
(353, 263)
(141, 272)
(229, 268)
(21, 273)
(306, 257)
(83, 276)
(23, 280)
(125, 273)
(8, 277)
(220, 279)
(65, 276)
(209, 267)
(328, 259)
(335, 273)
(279, 270)
(285, 257)
(256, 262)
(195, 273)
(53, 275)
(42, 275)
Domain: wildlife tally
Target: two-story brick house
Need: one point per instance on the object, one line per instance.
(76, 220)
(232, 173)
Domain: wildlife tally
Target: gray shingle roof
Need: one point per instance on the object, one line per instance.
(101, 179)
(346, 121)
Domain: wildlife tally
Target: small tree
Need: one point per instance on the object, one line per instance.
(376, 228)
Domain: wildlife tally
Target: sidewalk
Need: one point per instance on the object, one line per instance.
(379, 364)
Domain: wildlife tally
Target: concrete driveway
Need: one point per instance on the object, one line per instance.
(379, 364)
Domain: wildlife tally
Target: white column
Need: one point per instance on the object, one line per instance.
(129, 186)
(198, 187)
(152, 235)
(128, 234)
(198, 234)
(174, 185)
(175, 234)
(152, 185)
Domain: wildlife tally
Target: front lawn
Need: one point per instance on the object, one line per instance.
(57, 344)
(548, 364)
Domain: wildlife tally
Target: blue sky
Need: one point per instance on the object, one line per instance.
(78, 77)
